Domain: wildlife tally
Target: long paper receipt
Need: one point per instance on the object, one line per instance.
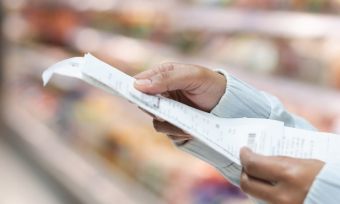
(222, 138)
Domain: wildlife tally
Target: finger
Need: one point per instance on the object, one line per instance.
(147, 73)
(182, 98)
(169, 129)
(178, 139)
(257, 188)
(262, 167)
(168, 77)
(154, 70)
(166, 95)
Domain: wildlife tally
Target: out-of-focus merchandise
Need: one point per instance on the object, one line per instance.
(312, 60)
(98, 123)
(301, 5)
(301, 66)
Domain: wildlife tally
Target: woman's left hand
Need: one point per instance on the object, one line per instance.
(277, 179)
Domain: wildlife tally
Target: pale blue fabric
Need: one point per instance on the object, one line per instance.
(326, 186)
(242, 100)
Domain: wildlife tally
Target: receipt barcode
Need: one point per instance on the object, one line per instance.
(251, 140)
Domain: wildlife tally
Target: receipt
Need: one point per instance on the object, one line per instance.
(221, 135)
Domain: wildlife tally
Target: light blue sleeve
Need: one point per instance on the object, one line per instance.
(326, 186)
(242, 100)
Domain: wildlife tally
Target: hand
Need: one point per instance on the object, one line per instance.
(193, 85)
(277, 179)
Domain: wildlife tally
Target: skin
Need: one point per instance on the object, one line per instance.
(193, 85)
(274, 179)
(277, 179)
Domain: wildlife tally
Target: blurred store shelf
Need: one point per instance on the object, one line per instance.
(90, 182)
(182, 17)
(331, 6)
(272, 23)
(134, 35)
(87, 176)
(23, 183)
(149, 53)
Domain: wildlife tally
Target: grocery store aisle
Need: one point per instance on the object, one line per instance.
(21, 182)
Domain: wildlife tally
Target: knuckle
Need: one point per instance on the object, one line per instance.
(244, 184)
(164, 75)
(164, 70)
(166, 67)
(250, 164)
(289, 174)
(287, 170)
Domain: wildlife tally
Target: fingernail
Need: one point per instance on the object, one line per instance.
(159, 119)
(246, 149)
(244, 176)
(143, 82)
(244, 152)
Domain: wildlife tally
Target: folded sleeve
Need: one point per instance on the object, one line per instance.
(242, 100)
(225, 166)
(326, 186)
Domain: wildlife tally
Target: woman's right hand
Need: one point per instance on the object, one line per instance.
(193, 85)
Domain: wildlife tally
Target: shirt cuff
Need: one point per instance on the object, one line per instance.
(326, 186)
(204, 152)
(228, 169)
(241, 100)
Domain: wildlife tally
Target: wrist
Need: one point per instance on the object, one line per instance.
(212, 88)
(221, 82)
(217, 84)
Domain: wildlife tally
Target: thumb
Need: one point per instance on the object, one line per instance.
(169, 77)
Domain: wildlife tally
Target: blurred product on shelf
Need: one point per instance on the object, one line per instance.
(293, 57)
(305, 5)
(53, 25)
(299, 64)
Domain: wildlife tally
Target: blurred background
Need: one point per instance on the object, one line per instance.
(72, 143)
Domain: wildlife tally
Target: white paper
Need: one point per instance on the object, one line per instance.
(223, 136)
